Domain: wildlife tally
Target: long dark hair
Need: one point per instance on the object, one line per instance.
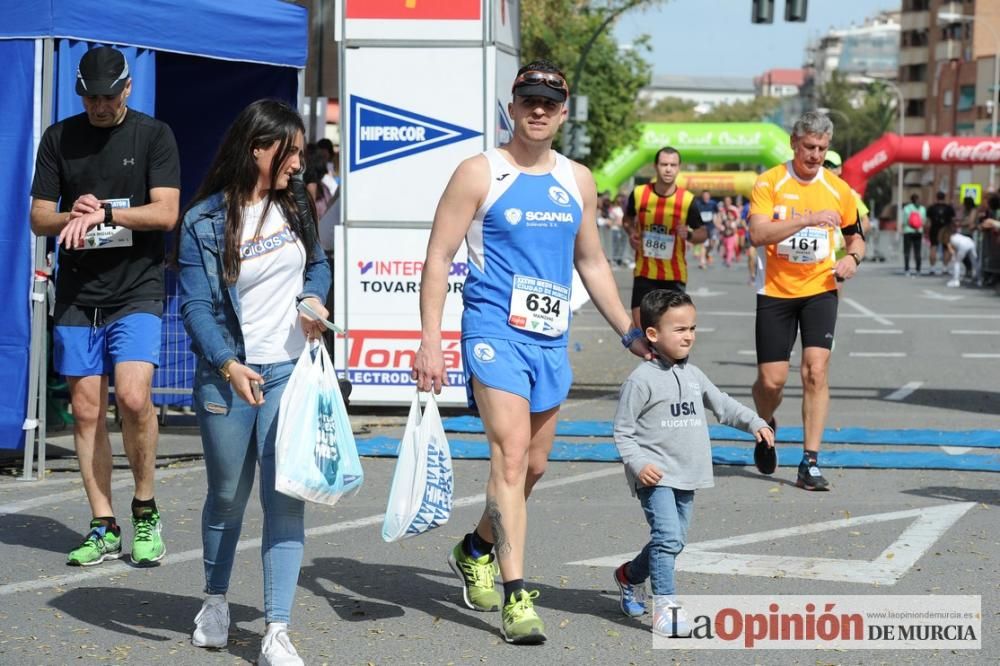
(234, 173)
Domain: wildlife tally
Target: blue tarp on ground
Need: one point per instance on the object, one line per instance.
(177, 77)
(721, 455)
(987, 439)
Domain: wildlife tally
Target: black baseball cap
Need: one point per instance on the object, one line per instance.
(102, 71)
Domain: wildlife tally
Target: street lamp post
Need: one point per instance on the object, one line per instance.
(612, 14)
(949, 17)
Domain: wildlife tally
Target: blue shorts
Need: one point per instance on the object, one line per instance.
(540, 375)
(86, 351)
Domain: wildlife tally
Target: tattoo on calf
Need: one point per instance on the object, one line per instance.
(501, 545)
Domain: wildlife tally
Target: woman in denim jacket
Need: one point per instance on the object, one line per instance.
(246, 258)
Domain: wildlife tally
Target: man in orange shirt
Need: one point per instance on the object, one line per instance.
(660, 219)
(795, 210)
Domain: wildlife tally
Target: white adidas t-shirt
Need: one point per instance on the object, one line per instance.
(271, 267)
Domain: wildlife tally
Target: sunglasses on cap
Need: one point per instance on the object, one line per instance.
(550, 79)
(831, 165)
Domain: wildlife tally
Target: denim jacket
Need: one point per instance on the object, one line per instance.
(210, 308)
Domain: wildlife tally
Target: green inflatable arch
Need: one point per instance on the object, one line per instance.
(764, 143)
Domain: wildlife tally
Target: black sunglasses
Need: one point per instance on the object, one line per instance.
(551, 79)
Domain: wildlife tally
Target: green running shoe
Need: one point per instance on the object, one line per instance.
(477, 574)
(521, 624)
(147, 544)
(100, 544)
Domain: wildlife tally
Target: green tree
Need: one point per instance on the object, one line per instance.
(676, 110)
(611, 77)
(860, 115)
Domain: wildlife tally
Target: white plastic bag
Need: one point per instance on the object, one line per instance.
(423, 485)
(316, 457)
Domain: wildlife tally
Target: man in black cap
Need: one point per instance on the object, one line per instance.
(107, 185)
(528, 216)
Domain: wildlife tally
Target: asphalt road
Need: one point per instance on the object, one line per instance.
(909, 354)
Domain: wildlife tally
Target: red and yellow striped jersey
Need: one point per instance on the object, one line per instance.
(660, 255)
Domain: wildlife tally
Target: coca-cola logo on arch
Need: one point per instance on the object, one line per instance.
(879, 158)
(984, 151)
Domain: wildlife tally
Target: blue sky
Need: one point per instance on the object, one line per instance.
(716, 37)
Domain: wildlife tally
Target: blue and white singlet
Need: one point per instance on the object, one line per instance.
(521, 246)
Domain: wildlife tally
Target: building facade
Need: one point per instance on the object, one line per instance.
(947, 63)
(705, 91)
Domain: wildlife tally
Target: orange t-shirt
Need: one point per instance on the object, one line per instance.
(661, 254)
(801, 265)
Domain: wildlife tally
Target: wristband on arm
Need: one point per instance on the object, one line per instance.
(631, 336)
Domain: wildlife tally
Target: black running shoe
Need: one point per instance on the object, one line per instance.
(810, 477)
(765, 457)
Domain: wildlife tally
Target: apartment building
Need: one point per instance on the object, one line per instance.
(947, 63)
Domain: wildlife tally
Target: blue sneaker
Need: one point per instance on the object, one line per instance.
(631, 598)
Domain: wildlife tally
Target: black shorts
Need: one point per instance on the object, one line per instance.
(780, 319)
(642, 286)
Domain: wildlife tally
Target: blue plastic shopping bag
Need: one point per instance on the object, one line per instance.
(423, 484)
(316, 456)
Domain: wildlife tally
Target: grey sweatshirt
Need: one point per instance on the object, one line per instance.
(661, 420)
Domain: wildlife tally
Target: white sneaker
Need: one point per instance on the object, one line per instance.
(276, 649)
(953, 283)
(211, 624)
(669, 618)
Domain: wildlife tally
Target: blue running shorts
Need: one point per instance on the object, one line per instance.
(540, 375)
(85, 351)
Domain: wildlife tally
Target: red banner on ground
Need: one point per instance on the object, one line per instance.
(414, 9)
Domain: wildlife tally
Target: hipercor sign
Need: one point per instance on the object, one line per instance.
(382, 133)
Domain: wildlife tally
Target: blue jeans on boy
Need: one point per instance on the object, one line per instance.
(237, 437)
(668, 512)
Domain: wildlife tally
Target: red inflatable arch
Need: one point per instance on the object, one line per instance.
(892, 149)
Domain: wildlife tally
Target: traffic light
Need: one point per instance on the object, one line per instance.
(795, 10)
(579, 141)
(763, 11)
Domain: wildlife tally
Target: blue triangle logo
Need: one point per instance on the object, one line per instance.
(383, 133)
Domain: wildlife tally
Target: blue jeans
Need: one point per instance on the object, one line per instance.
(237, 437)
(668, 512)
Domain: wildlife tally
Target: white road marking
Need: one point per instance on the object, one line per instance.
(929, 524)
(117, 568)
(980, 355)
(705, 291)
(904, 391)
(973, 332)
(866, 312)
(878, 331)
(935, 296)
(79, 493)
(878, 354)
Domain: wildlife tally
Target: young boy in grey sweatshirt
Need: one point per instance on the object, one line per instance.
(662, 436)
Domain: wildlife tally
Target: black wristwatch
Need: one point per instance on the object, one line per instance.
(108, 219)
(856, 257)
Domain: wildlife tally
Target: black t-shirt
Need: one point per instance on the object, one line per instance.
(693, 221)
(118, 164)
(940, 215)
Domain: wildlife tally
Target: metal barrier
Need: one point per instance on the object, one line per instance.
(174, 379)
